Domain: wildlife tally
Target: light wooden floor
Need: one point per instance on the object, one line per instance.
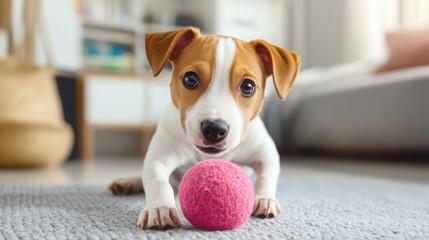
(102, 171)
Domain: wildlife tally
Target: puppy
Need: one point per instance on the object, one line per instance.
(217, 92)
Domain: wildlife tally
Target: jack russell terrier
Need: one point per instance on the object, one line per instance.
(217, 91)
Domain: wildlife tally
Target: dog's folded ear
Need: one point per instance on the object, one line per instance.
(282, 64)
(163, 46)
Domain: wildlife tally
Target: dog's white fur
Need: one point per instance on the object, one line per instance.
(217, 101)
(172, 147)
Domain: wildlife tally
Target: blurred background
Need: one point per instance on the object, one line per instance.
(362, 92)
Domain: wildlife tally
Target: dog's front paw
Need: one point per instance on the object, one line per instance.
(160, 218)
(266, 208)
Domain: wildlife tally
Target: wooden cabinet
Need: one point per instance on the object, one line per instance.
(119, 102)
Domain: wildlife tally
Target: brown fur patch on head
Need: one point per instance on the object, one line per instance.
(198, 57)
(246, 65)
(189, 51)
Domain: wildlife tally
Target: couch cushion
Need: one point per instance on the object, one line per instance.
(407, 48)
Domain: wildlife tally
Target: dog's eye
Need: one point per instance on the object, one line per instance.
(247, 88)
(190, 80)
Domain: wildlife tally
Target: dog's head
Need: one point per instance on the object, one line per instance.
(218, 82)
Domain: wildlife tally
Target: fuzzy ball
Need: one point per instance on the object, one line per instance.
(216, 195)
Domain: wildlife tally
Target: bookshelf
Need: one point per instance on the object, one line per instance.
(115, 89)
(113, 35)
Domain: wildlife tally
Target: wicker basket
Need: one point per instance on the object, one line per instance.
(24, 145)
(32, 128)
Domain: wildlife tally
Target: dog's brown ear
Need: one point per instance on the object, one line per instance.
(282, 64)
(163, 46)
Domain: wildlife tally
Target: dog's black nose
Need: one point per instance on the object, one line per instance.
(214, 130)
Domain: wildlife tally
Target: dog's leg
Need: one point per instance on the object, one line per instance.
(160, 211)
(126, 186)
(267, 168)
(265, 160)
(266, 204)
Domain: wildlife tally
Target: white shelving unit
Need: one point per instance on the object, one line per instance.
(130, 34)
(125, 101)
(118, 22)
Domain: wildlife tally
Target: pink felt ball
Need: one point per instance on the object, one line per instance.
(216, 195)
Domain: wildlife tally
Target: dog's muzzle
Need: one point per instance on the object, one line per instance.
(213, 133)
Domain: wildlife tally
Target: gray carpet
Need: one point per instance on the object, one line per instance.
(312, 210)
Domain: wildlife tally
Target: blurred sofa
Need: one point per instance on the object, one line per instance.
(353, 112)
(364, 107)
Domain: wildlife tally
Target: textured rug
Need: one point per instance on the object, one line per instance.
(312, 210)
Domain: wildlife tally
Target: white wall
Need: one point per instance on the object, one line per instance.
(332, 32)
(63, 32)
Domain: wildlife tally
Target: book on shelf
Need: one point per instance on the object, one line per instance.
(107, 56)
(115, 11)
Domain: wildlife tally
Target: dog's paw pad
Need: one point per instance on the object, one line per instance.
(266, 208)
